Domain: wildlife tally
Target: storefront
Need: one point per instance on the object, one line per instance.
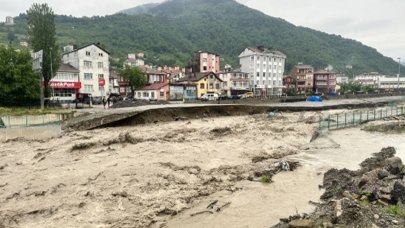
(64, 92)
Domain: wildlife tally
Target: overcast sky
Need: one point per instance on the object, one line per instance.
(376, 23)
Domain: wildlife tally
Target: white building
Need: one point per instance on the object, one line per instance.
(391, 82)
(92, 61)
(370, 79)
(135, 60)
(265, 68)
(235, 82)
(342, 79)
(9, 21)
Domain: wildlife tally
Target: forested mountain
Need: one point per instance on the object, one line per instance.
(171, 31)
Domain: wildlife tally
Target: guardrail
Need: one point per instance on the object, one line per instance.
(355, 118)
(33, 120)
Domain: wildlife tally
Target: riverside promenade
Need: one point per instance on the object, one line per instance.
(99, 118)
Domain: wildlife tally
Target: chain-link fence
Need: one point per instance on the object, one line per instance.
(354, 118)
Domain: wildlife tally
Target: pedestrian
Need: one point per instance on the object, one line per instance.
(108, 101)
(104, 102)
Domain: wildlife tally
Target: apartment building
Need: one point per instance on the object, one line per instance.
(235, 82)
(304, 78)
(9, 21)
(204, 62)
(325, 82)
(93, 64)
(265, 68)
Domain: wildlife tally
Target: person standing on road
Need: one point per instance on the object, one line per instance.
(104, 102)
(108, 101)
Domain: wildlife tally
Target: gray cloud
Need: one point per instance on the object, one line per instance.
(376, 23)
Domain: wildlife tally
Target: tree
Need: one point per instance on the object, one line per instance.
(135, 76)
(11, 36)
(19, 85)
(41, 31)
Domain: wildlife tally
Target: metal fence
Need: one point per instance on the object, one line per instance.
(355, 118)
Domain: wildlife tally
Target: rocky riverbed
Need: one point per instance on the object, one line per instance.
(373, 196)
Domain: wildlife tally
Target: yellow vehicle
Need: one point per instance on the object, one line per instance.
(250, 94)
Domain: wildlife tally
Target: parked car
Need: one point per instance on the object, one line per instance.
(234, 97)
(209, 97)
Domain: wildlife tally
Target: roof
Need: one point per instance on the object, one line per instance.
(95, 44)
(155, 86)
(301, 66)
(325, 72)
(263, 50)
(195, 77)
(67, 68)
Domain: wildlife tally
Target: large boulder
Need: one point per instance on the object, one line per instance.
(398, 192)
(393, 165)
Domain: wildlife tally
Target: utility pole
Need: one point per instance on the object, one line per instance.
(399, 70)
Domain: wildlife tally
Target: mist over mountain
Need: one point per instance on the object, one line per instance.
(171, 31)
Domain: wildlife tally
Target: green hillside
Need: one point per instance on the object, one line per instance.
(169, 32)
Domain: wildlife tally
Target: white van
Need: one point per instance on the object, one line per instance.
(210, 97)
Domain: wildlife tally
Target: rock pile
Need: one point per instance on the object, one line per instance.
(373, 196)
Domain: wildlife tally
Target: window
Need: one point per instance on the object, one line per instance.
(101, 76)
(162, 93)
(139, 94)
(88, 76)
(152, 94)
(100, 54)
(264, 74)
(204, 68)
(258, 74)
(217, 86)
(88, 88)
(211, 86)
(100, 65)
(63, 92)
(87, 53)
(234, 84)
(252, 58)
(145, 94)
(88, 64)
(202, 86)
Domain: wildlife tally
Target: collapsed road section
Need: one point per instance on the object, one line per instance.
(174, 112)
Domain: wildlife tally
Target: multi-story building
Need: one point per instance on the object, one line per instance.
(204, 62)
(290, 84)
(391, 83)
(66, 84)
(342, 79)
(235, 82)
(324, 82)
(9, 21)
(114, 86)
(369, 79)
(206, 83)
(135, 59)
(93, 64)
(265, 68)
(304, 78)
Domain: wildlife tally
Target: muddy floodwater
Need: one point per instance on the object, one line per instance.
(197, 173)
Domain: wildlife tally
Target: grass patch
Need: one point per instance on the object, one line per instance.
(395, 210)
(265, 179)
(27, 111)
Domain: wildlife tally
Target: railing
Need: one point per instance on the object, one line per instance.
(355, 118)
(33, 120)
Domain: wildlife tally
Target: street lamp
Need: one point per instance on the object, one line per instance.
(399, 70)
